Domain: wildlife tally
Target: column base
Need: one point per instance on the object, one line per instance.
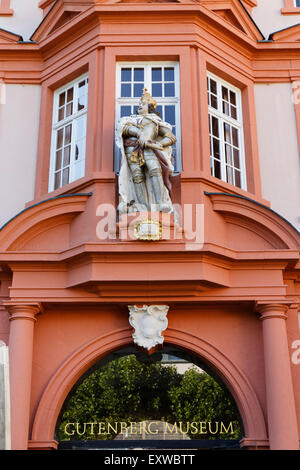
(42, 445)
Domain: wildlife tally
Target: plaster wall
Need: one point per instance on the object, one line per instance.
(269, 18)
(19, 125)
(26, 18)
(278, 149)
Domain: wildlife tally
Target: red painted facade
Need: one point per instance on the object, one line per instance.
(234, 300)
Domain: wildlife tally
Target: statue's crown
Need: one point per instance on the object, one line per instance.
(148, 98)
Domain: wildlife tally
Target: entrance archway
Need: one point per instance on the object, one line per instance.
(89, 354)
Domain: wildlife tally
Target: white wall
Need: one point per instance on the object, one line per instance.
(278, 149)
(269, 19)
(26, 18)
(19, 124)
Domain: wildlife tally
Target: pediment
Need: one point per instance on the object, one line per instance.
(6, 37)
(253, 225)
(58, 15)
(290, 34)
(236, 14)
(231, 13)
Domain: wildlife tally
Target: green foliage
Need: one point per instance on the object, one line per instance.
(127, 390)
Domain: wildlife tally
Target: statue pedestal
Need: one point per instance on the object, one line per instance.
(148, 226)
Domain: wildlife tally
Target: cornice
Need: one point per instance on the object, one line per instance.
(269, 61)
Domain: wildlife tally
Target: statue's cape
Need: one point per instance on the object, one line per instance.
(126, 185)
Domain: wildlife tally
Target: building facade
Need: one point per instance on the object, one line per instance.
(226, 76)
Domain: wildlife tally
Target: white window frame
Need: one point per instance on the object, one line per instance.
(237, 123)
(160, 101)
(56, 125)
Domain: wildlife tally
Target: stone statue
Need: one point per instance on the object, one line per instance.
(146, 166)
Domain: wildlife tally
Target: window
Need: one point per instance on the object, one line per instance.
(162, 81)
(5, 8)
(297, 3)
(68, 133)
(226, 132)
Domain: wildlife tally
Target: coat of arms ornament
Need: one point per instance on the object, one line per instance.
(148, 321)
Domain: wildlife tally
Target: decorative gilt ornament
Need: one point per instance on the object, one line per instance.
(149, 321)
(148, 230)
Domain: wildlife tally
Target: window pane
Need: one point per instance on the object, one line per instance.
(225, 108)
(228, 154)
(214, 101)
(138, 89)
(227, 132)
(125, 111)
(82, 84)
(58, 160)
(70, 95)
(69, 109)
(59, 141)
(169, 89)
(125, 90)
(68, 134)
(80, 150)
(61, 114)
(236, 158)
(215, 126)
(82, 101)
(216, 148)
(160, 110)
(170, 114)
(138, 75)
(232, 98)
(217, 169)
(65, 176)
(169, 74)
(237, 178)
(57, 180)
(156, 74)
(235, 137)
(67, 151)
(81, 127)
(126, 75)
(213, 86)
(233, 112)
(157, 89)
(225, 93)
(62, 98)
(229, 175)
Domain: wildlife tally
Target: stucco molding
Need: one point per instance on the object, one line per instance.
(37, 218)
(267, 219)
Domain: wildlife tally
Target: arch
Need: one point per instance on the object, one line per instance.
(267, 222)
(87, 355)
(38, 217)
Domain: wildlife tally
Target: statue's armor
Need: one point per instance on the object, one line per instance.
(151, 131)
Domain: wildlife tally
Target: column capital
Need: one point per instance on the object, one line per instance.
(272, 310)
(24, 311)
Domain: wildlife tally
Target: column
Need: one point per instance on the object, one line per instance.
(22, 319)
(282, 420)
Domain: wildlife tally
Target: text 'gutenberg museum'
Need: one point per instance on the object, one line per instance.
(149, 224)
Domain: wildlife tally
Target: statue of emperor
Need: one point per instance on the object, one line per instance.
(146, 143)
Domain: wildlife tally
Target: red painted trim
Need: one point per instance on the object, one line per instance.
(5, 9)
(290, 8)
